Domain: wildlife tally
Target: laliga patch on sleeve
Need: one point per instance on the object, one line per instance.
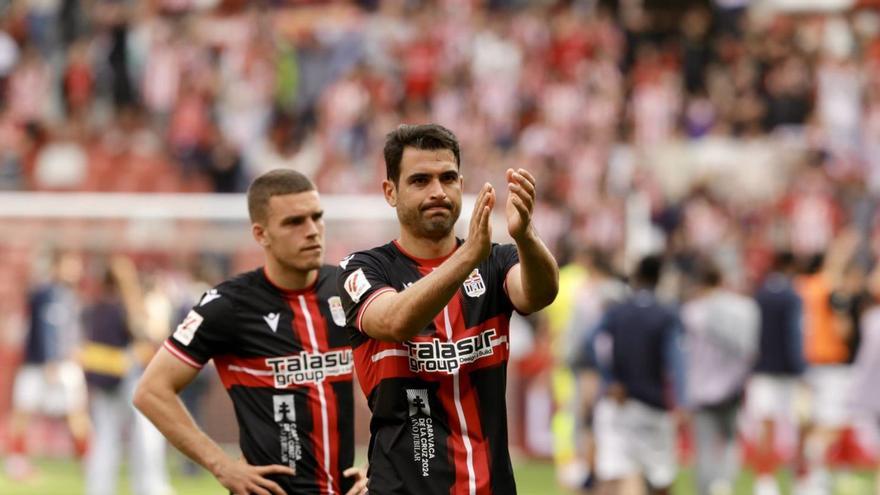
(187, 329)
(357, 284)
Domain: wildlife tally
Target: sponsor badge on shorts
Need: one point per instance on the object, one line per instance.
(187, 329)
(473, 285)
(336, 310)
(357, 284)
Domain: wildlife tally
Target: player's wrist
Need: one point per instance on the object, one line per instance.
(218, 465)
(528, 236)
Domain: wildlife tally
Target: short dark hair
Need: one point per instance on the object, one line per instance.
(276, 182)
(707, 273)
(784, 261)
(648, 271)
(423, 137)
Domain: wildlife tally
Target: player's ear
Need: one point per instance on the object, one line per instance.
(259, 233)
(389, 188)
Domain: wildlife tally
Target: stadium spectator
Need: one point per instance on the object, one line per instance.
(772, 391)
(50, 381)
(638, 351)
(116, 329)
(721, 342)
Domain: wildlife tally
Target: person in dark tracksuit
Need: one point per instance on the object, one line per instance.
(772, 389)
(637, 347)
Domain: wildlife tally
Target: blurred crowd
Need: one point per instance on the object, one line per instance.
(93, 323)
(689, 124)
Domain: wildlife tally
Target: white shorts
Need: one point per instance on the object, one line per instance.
(772, 397)
(635, 439)
(830, 387)
(33, 393)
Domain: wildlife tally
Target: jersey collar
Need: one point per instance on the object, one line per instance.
(432, 262)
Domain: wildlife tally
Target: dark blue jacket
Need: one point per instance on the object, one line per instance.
(781, 349)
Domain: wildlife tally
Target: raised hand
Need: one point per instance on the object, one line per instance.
(479, 240)
(520, 202)
(241, 478)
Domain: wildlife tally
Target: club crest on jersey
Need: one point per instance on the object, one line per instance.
(474, 285)
(285, 416)
(187, 328)
(435, 355)
(271, 319)
(309, 367)
(357, 284)
(336, 310)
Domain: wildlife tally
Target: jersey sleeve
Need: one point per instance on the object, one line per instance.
(361, 278)
(505, 257)
(205, 331)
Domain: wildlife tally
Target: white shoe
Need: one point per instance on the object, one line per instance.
(721, 487)
(816, 483)
(766, 485)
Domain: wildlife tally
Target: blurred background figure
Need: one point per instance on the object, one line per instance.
(866, 367)
(595, 291)
(772, 391)
(638, 349)
(827, 349)
(721, 341)
(117, 342)
(50, 381)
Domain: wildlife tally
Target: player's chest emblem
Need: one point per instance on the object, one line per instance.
(271, 319)
(336, 311)
(474, 285)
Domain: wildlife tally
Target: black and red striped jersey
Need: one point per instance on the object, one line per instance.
(439, 423)
(286, 362)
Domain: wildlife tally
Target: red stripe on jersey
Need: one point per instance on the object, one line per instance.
(181, 355)
(237, 371)
(256, 372)
(321, 334)
(467, 402)
(371, 369)
(303, 327)
(455, 442)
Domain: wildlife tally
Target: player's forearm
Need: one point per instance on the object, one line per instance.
(405, 314)
(538, 271)
(166, 411)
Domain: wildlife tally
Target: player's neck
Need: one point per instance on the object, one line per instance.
(425, 248)
(287, 279)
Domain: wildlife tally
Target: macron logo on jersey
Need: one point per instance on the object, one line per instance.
(209, 296)
(272, 320)
(344, 262)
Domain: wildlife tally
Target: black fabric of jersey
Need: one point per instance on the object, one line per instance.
(285, 360)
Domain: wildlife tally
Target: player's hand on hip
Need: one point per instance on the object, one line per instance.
(520, 202)
(243, 479)
(360, 480)
(479, 240)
